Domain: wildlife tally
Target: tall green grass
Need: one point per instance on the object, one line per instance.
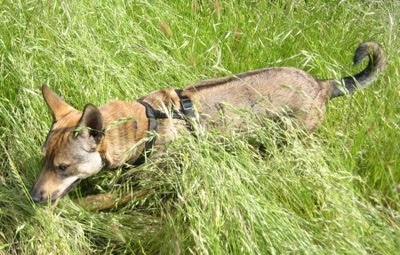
(331, 192)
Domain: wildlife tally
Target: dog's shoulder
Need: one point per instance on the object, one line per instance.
(162, 98)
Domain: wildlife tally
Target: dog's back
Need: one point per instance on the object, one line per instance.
(283, 90)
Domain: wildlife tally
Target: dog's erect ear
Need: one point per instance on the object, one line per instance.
(91, 124)
(58, 107)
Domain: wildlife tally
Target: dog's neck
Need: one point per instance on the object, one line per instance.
(129, 124)
(126, 126)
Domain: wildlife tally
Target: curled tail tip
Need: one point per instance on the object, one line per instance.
(375, 53)
(376, 64)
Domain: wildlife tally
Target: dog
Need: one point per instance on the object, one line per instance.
(80, 144)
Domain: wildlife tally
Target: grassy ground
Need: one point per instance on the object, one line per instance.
(332, 192)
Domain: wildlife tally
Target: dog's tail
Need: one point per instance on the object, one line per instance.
(376, 64)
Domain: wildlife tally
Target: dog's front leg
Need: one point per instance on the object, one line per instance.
(110, 200)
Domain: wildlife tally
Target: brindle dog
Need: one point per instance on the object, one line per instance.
(80, 144)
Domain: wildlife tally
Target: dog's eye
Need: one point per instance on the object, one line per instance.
(62, 167)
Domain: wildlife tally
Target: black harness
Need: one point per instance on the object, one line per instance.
(185, 113)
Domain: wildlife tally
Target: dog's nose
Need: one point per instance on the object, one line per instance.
(37, 197)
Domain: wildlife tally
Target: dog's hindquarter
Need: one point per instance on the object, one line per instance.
(274, 92)
(269, 92)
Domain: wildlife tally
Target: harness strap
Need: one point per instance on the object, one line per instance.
(152, 123)
(187, 113)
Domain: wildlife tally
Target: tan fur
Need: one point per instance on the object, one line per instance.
(81, 143)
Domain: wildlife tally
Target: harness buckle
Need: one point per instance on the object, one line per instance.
(187, 107)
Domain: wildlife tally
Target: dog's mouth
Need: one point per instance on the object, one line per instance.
(56, 196)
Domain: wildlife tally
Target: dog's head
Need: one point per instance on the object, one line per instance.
(71, 151)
